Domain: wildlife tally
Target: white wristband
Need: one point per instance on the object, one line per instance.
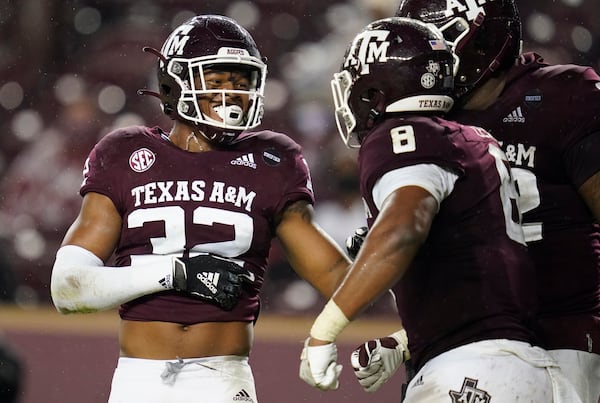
(330, 323)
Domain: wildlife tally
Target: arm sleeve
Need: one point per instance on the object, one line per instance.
(80, 282)
(436, 180)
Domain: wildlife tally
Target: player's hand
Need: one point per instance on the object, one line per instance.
(355, 241)
(211, 278)
(318, 366)
(377, 360)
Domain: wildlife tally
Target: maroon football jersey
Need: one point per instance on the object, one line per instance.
(472, 279)
(547, 120)
(175, 202)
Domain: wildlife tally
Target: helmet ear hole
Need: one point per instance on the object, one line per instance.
(377, 106)
(168, 109)
(166, 89)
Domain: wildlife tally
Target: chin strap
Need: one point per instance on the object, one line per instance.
(475, 25)
(145, 91)
(494, 64)
(155, 53)
(490, 69)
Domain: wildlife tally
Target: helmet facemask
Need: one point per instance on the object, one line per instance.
(228, 115)
(355, 117)
(341, 85)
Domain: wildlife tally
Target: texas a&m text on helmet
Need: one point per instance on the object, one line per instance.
(394, 65)
(484, 34)
(202, 42)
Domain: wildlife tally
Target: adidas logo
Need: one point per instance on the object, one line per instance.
(210, 280)
(242, 396)
(515, 116)
(166, 282)
(245, 160)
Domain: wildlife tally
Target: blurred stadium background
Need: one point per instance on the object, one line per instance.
(69, 72)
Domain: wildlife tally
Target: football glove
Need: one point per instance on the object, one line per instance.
(377, 360)
(318, 366)
(211, 278)
(355, 241)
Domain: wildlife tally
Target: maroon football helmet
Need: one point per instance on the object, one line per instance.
(210, 41)
(394, 65)
(486, 38)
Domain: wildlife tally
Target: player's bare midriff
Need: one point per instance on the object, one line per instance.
(166, 340)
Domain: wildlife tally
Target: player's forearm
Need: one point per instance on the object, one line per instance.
(80, 282)
(312, 253)
(368, 280)
(386, 254)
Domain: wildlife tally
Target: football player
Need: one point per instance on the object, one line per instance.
(546, 119)
(188, 215)
(444, 231)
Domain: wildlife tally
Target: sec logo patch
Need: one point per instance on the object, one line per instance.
(141, 160)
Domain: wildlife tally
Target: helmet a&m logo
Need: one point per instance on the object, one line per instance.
(175, 43)
(368, 47)
(471, 8)
(141, 160)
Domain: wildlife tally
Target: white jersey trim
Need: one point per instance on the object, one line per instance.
(438, 181)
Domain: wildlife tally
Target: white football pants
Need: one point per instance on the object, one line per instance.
(226, 379)
(492, 371)
(583, 370)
